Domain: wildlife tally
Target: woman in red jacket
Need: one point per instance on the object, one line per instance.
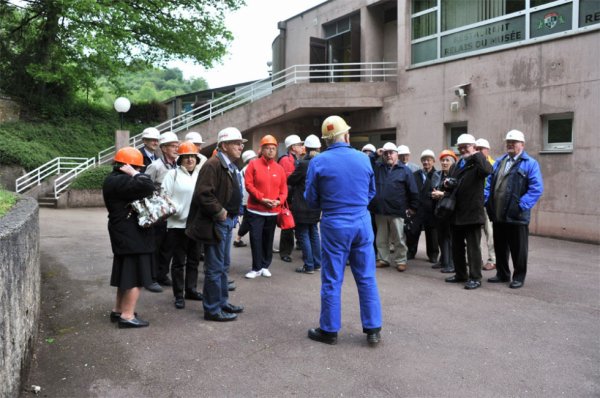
(266, 183)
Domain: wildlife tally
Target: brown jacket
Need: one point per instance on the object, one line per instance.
(213, 190)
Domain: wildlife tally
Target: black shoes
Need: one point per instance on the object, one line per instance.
(496, 279)
(193, 295)
(115, 316)
(165, 281)
(287, 259)
(154, 288)
(304, 270)
(373, 338)
(132, 323)
(233, 309)
(516, 285)
(447, 270)
(454, 279)
(472, 284)
(179, 303)
(220, 316)
(239, 243)
(322, 336)
(437, 266)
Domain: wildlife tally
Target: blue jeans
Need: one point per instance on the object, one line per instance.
(310, 243)
(216, 262)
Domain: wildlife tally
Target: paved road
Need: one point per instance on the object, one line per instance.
(439, 339)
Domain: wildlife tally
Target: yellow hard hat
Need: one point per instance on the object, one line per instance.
(332, 126)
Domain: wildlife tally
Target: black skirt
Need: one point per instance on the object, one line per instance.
(132, 270)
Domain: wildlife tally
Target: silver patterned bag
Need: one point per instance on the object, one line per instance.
(153, 209)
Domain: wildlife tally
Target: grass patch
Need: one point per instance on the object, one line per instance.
(7, 201)
(92, 178)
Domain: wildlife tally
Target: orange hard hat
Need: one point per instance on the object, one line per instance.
(187, 148)
(130, 155)
(268, 140)
(448, 152)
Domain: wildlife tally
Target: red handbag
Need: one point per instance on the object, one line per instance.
(285, 219)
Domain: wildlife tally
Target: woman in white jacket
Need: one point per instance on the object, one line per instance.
(179, 184)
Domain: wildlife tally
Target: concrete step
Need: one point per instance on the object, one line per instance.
(47, 201)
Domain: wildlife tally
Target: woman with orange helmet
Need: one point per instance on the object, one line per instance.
(179, 185)
(132, 245)
(447, 159)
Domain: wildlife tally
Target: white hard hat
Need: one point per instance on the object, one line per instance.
(332, 126)
(168, 136)
(428, 153)
(390, 146)
(369, 147)
(230, 134)
(515, 135)
(151, 133)
(312, 141)
(248, 155)
(482, 143)
(292, 140)
(464, 139)
(195, 137)
(403, 150)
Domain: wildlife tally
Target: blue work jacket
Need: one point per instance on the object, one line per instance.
(524, 188)
(340, 181)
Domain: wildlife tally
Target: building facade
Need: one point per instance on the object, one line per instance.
(477, 66)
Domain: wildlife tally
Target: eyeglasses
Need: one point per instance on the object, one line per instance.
(388, 153)
(172, 146)
(183, 157)
(236, 143)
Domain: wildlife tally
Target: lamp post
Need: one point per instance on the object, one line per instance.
(121, 105)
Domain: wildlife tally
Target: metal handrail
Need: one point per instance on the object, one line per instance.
(50, 168)
(63, 182)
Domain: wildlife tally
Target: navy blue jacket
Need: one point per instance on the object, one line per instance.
(524, 188)
(395, 190)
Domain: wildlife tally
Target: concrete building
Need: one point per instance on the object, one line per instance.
(442, 68)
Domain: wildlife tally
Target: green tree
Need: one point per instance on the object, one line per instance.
(50, 49)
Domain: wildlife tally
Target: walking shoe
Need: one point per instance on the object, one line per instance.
(154, 288)
(252, 274)
(304, 270)
(265, 272)
(193, 295)
(489, 266)
(115, 316)
(373, 338)
(401, 267)
(437, 266)
(233, 309)
(472, 284)
(275, 250)
(132, 323)
(381, 264)
(448, 270)
(322, 336)
(220, 316)
(179, 303)
(287, 259)
(239, 243)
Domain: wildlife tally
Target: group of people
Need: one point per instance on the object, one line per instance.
(364, 210)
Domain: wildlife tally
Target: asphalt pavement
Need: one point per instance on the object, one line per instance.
(439, 340)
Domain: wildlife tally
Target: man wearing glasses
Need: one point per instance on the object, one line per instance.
(215, 206)
(396, 197)
(468, 176)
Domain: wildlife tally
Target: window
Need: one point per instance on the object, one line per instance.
(558, 132)
(453, 131)
(337, 28)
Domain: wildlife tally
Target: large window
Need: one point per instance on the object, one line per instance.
(449, 28)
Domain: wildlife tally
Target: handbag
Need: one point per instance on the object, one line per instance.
(445, 206)
(285, 219)
(153, 209)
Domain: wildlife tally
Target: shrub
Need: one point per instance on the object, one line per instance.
(92, 178)
(7, 201)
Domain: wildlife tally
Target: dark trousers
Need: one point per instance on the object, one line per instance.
(513, 239)
(471, 235)
(286, 242)
(262, 232)
(431, 242)
(244, 226)
(162, 252)
(186, 258)
(444, 234)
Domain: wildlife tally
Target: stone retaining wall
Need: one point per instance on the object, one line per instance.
(84, 198)
(19, 292)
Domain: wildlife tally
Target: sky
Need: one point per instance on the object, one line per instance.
(254, 28)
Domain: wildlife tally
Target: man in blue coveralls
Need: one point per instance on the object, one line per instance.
(341, 182)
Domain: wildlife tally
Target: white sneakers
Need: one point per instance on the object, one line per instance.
(253, 274)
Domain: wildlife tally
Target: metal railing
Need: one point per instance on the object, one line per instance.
(297, 74)
(53, 167)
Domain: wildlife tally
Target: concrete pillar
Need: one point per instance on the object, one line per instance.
(121, 139)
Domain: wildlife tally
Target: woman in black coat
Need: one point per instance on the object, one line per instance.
(444, 232)
(132, 245)
(306, 218)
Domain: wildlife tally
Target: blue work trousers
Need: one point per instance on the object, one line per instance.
(348, 236)
(216, 268)
(310, 243)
